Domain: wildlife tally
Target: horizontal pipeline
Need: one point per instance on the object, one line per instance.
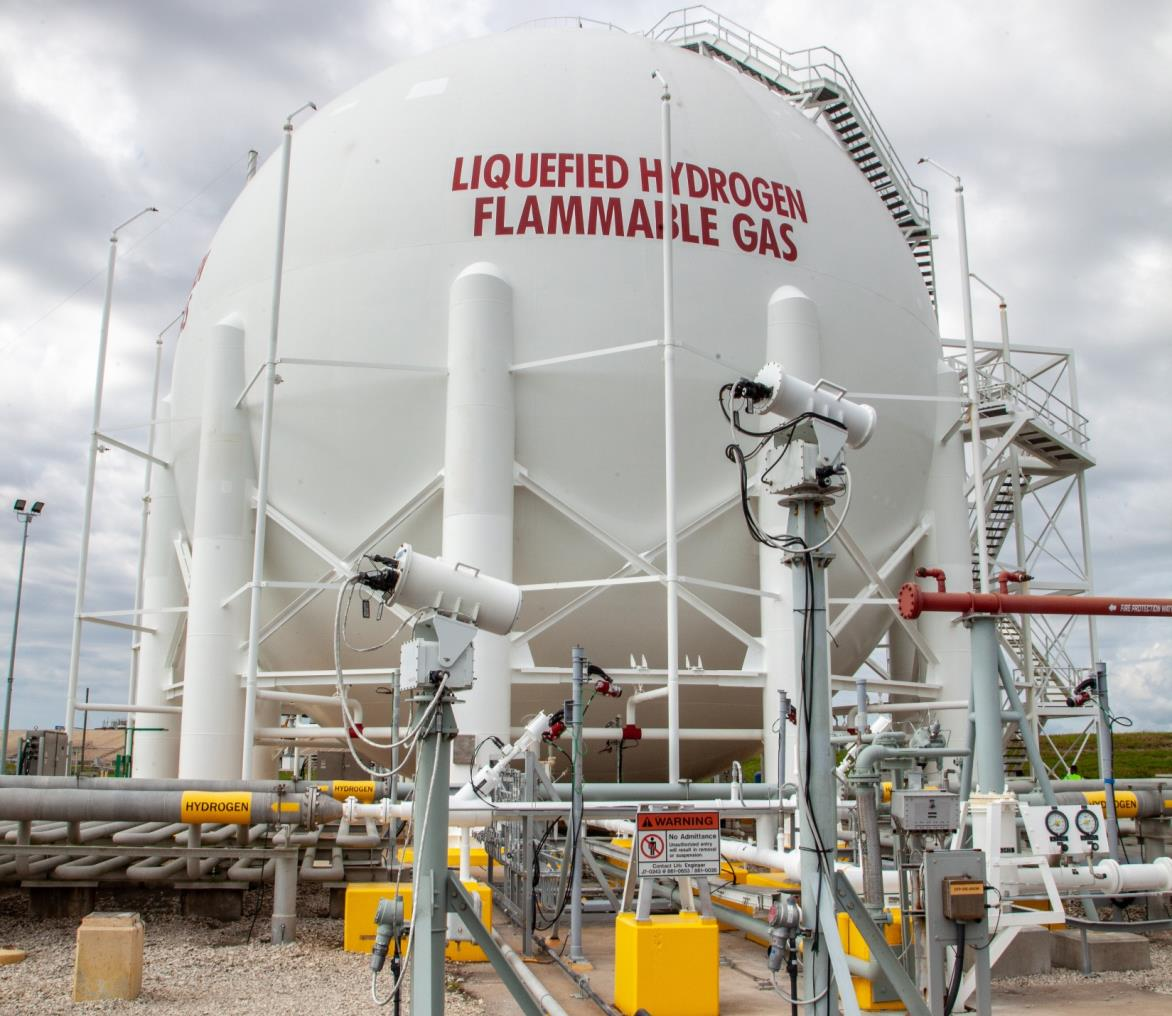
(914, 601)
(339, 790)
(193, 807)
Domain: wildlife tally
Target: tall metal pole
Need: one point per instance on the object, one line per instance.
(87, 513)
(140, 580)
(1025, 621)
(575, 830)
(262, 466)
(966, 294)
(818, 834)
(671, 539)
(26, 518)
(430, 855)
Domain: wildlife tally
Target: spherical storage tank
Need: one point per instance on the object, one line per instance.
(526, 166)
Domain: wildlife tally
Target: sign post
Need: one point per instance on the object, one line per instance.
(673, 843)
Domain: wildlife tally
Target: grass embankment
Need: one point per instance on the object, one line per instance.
(1138, 754)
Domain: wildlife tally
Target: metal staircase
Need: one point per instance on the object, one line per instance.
(816, 80)
(1034, 437)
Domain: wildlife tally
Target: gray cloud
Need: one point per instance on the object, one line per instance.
(1057, 114)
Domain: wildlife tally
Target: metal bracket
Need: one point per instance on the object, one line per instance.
(888, 962)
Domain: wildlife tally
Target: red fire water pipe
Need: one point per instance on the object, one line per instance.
(914, 601)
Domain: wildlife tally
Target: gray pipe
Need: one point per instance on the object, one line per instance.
(540, 993)
(872, 850)
(156, 869)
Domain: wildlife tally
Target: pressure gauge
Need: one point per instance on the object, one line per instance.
(1057, 824)
(1087, 822)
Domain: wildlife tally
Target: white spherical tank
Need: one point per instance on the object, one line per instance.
(537, 153)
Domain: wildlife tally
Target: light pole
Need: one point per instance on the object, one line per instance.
(91, 474)
(966, 293)
(26, 514)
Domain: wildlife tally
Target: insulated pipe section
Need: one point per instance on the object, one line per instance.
(364, 790)
(192, 807)
(1133, 804)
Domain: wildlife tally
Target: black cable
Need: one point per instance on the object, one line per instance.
(260, 894)
(957, 972)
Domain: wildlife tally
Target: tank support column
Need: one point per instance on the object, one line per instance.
(155, 754)
(213, 702)
(478, 472)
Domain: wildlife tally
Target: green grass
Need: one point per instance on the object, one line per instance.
(1138, 754)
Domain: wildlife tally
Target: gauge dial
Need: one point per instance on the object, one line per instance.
(1087, 822)
(1057, 824)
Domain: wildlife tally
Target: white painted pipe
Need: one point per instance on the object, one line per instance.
(124, 707)
(478, 472)
(212, 727)
(322, 733)
(295, 697)
(545, 1000)
(644, 696)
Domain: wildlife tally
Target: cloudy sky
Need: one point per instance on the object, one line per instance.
(1057, 113)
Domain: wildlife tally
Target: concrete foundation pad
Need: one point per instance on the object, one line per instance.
(49, 900)
(1029, 954)
(1108, 950)
(218, 901)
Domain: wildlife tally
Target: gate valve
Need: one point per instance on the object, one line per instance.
(607, 687)
(354, 731)
(632, 732)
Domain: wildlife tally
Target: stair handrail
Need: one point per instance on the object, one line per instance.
(1015, 387)
(822, 64)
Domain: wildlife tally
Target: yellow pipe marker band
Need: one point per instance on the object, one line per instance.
(207, 806)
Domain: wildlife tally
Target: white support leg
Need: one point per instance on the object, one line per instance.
(478, 471)
(221, 551)
(156, 752)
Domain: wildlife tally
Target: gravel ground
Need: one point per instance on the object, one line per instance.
(1158, 979)
(202, 968)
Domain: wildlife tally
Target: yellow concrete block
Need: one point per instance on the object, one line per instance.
(108, 963)
(8, 956)
(668, 964)
(855, 945)
(362, 900)
(470, 952)
(478, 857)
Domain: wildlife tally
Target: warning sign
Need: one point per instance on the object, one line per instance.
(677, 843)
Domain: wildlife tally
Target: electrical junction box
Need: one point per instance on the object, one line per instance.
(420, 659)
(925, 811)
(461, 946)
(964, 899)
